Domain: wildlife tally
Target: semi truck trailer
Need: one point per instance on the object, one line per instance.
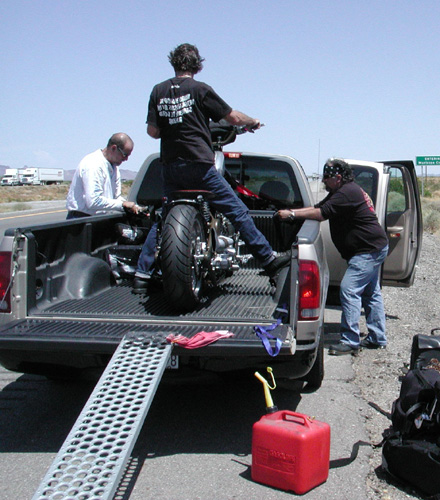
(39, 176)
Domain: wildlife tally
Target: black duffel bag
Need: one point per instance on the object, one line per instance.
(414, 461)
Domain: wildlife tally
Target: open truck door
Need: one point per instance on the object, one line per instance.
(403, 220)
(394, 189)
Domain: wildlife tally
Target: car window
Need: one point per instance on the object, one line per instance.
(397, 194)
(367, 178)
(271, 182)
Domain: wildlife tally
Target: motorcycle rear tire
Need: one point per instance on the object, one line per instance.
(182, 236)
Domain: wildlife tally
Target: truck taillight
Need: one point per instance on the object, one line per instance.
(229, 154)
(5, 279)
(309, 290)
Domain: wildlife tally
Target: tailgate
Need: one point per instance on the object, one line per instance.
(103, 337)
(97, 324)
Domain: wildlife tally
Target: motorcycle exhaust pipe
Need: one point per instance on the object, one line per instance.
(224, 242)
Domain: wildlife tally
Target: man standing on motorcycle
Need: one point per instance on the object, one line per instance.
(179, 112)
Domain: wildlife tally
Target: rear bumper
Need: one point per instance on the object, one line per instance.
(41, 345)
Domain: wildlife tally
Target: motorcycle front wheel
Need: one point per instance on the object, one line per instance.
(182, 250)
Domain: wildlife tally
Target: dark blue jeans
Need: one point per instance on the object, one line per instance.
(188, 175)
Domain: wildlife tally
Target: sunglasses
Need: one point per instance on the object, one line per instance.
(124, 155)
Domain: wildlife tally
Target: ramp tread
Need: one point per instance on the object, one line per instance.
(92, 459)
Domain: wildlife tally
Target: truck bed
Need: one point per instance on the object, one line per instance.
(98, 323)
(243, 296)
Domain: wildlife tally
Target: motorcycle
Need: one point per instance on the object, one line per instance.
(198, 246)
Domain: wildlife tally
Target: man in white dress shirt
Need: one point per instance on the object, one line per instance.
(96, 184)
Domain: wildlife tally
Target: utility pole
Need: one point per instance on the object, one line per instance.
(319, 163)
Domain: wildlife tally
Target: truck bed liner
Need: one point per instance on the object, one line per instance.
(243, 296)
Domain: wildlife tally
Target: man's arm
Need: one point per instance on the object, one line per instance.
(301, 213)
(238, 118)
(153, 131)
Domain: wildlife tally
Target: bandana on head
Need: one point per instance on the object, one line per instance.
(333, 170)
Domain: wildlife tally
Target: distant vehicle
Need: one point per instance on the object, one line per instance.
(39, 176)
(21, 172)
(12, 177)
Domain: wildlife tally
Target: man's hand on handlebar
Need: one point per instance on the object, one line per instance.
(253, 126)
(243, 122)
(130, 206)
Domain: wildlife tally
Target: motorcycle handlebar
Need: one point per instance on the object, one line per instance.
(246, 128)
(224, 133)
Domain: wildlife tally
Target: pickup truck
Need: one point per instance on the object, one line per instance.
(63, 312)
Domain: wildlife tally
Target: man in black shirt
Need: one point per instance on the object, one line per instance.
(179, 112)
(363, 243)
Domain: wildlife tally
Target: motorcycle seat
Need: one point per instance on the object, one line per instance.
(192, 194)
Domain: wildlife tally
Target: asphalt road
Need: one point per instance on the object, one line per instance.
(42, 212)
(196, 440)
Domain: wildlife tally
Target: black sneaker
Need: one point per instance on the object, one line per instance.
(367, 344)
(341, 349)
(140, 284)
(280, 261)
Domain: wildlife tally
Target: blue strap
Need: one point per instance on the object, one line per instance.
(264, 335)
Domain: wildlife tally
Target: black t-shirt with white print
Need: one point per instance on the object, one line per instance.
(354, 226)
(181, 108)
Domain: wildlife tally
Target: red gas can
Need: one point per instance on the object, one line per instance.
(290, 451)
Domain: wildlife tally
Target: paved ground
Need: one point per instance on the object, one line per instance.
(196, 441)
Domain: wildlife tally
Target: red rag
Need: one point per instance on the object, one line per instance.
(200, 339)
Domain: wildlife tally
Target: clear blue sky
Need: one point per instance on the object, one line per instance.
(343, 78)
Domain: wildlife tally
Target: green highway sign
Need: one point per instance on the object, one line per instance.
(428, 160)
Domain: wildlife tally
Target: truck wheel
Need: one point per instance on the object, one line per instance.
(182, 247)
(316, 375)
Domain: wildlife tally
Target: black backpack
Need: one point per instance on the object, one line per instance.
(417, 409)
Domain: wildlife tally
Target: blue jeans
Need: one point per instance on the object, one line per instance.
(188, 175)
(360, 287)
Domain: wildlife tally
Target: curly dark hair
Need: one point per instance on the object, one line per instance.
(186, 57)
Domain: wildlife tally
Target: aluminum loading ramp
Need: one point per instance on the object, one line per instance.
(92, 460)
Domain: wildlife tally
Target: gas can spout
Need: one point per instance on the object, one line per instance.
(270, 407)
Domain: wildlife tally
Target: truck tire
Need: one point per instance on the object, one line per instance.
(316, 375)
(183, 239)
